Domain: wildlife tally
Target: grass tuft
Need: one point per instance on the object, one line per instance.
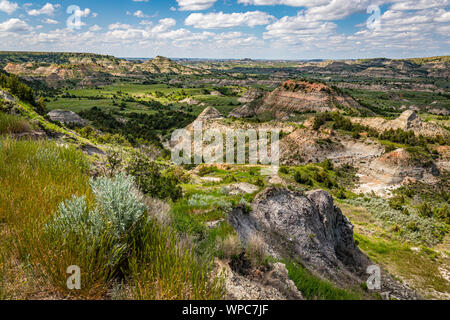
(13, 124)
(314, 288)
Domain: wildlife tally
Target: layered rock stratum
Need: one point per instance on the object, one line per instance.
(408, 121)
(297, 96)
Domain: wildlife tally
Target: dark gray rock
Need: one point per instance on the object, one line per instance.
(66, 117)
(310, 229)
(92, 150)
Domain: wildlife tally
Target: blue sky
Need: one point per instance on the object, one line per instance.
(262, 29)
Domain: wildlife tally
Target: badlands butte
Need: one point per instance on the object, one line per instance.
(363, 179)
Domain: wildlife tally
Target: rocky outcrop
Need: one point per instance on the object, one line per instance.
(208, 114)
(272, 284)
(395, 167)
(66, 117)
(310, 229)
(251, 95)
(245, 111)
(6, 96)
(440, 111)
(408, 121)
(190, 101)
(241, 188)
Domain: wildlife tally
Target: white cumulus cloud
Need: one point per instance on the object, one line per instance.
(14, 25)
(228, 20)
(8, 7)
(193, 5)
(48, 9)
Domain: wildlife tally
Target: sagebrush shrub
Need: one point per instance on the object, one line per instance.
(118, 203)
(116, 218)
(74, 218)
(118, 209)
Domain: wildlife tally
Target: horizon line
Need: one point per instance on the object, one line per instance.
(204, 58)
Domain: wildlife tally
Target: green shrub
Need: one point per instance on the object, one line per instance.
(443, 213)
(284, 170)
(341, 194)
(203, 200)
(303, 178)
(153, 179)
(328, 165)
(324, 178)
(425, 210)
(397, 202)
(389, 147)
